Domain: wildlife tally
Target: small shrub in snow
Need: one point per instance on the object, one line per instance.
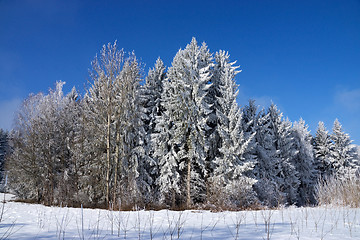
(339, 191)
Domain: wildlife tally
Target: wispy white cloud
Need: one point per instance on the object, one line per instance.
(348, 99)
(7, 111)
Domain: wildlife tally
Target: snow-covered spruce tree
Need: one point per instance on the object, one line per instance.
(341, 184)
(303, 161)
(249, 125)
(150, 102)
(268, 165)
(343, 156)
(289, 176)
(3, 151)
(230, 165)
(135, 170)
(268, 168)
(151, 95)
(323, 147)
(188, 110)
(277, 177)
(168, 181)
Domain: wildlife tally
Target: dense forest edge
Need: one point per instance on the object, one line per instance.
(175, 139)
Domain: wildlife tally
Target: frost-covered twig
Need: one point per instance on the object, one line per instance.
(267, 214)
(239, 218)
(110, 216)
(61, 225)
(8, 231)
(152, 230)
(125, 223)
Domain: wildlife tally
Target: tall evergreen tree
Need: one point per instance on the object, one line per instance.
(343, 157)
(150, 101)
(230, 165)
(285, 150)
(168, 181)
(278, 178)
(3, 151)
(138, 176)
(323, 147)
(151, 96)
(268, 165)
(249, 126)
(303, 161)
(189, 78)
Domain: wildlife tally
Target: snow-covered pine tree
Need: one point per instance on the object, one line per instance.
(277, 177)
(323, 147)
(303, 161)
(155, 82)
(135, 168)
(188, 109)
(343, 156)
(268, 165)
(230, 165)
(151, 98)
(150, 101)
(3, 151)
(249, 125)
(288, 176)
(168, 181)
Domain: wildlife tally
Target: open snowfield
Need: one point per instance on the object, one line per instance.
(32, 221)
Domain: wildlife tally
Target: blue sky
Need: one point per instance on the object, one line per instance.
(302, 55)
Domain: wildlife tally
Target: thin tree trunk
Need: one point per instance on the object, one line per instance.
(50, 174)
(188, 196)
(117, 156)
(107, 197)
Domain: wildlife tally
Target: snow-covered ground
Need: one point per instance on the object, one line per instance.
(31, 221)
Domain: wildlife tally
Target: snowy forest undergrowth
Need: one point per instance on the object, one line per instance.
(176, 139)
